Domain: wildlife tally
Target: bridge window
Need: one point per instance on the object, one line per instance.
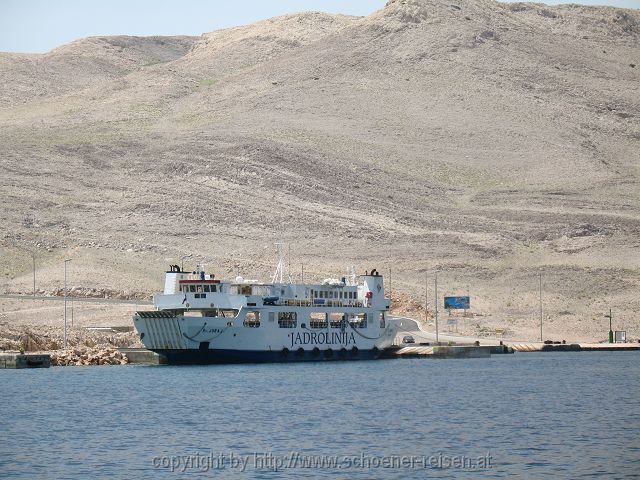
(287, 319)
(192, 288)
(252, 320)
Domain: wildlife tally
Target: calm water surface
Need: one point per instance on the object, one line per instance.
(531, 415)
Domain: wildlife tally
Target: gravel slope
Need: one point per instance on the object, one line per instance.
(492, 141)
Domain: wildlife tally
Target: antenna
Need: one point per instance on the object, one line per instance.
(281, 269)
(352, 274)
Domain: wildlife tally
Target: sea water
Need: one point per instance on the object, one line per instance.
(528, 414)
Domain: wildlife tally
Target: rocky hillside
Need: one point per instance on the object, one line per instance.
(492, 141)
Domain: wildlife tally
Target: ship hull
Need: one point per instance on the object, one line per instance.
(223, 356)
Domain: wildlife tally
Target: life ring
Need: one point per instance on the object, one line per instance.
(368, 295)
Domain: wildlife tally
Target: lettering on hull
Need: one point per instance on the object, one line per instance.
(322, 338)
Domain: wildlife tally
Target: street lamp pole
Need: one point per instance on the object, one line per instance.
(65, 302)
(540, 277)
(610, 317)
(436, 285)
(426, 296)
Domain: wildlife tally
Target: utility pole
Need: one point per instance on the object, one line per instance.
(540, 277)
(610, 317)
(436, 285)
(65, 302)
(426, 297)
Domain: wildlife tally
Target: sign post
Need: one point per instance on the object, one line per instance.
(610, 317)
(457, 303)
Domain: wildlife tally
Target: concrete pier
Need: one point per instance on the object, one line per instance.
(441, 351)
(111, 329)
(143, 356)
(24, 360)
(575, 347)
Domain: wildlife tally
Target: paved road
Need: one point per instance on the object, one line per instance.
(78, 299)
(423, 336)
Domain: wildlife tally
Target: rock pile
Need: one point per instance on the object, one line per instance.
(404, 304)
(88, 356)
(32, 338)
(86, 292)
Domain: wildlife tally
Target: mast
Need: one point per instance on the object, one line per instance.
(281, 269)
(352, 275)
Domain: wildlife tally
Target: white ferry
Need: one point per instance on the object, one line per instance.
(201, 319)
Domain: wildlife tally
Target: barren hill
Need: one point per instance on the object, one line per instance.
(491, 141)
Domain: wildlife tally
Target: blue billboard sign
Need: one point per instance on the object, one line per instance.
(462, 303)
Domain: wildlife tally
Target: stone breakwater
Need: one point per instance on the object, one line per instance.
(82, 356)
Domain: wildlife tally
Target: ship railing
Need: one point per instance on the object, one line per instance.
(320, 302)
(297, 302)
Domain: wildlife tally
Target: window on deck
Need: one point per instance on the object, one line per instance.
(287, 319)
(318, 320)
(252, 320)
